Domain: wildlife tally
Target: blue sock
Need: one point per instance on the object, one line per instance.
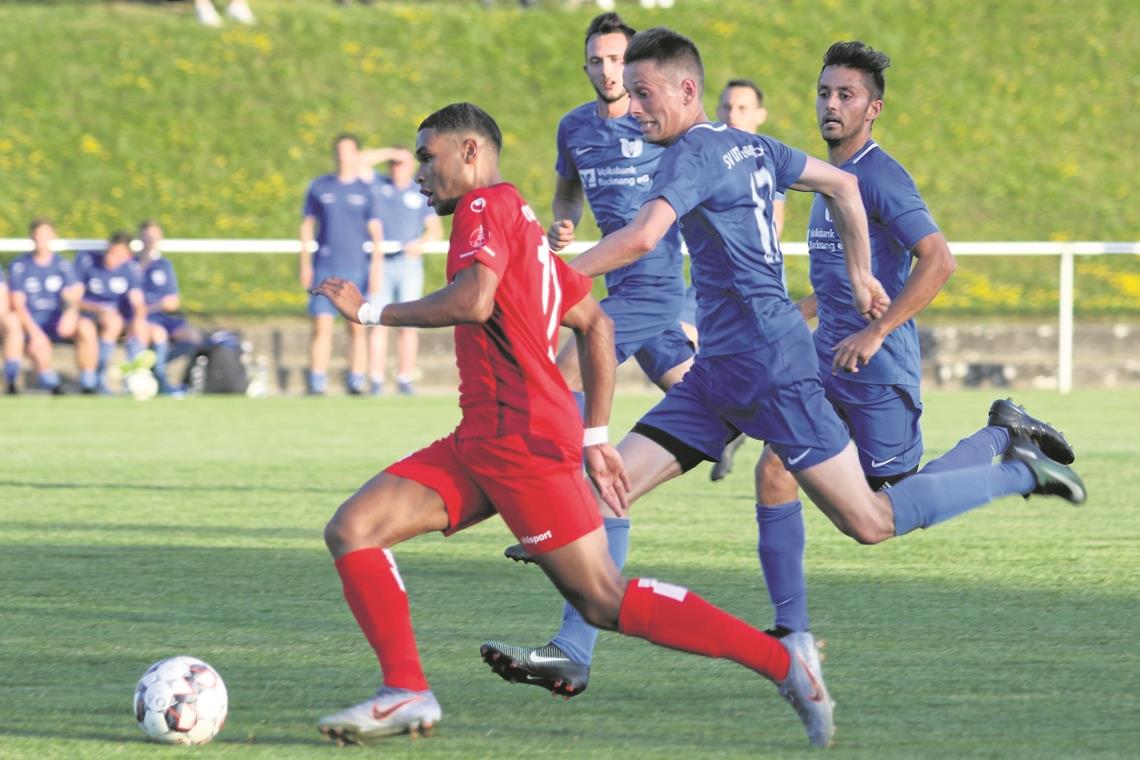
(356, 382)
(134, 348)
(106, 351)
(923, 500)
(972, 451)
(88, 378)
(318, 381)
(48, 379)
(576, 637)
(11, 370)
(580, 400)
(781, 550)
(161, 352)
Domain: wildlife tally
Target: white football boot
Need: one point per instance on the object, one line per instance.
(390, 712)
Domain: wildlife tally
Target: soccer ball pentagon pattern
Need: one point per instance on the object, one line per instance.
(181, 700)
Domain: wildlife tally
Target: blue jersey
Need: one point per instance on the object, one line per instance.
(342, 211)
(402, 210)
(721, 183)
(108, 287)
(42, 284)
(897, 219)
(616, 167)
(159, 280)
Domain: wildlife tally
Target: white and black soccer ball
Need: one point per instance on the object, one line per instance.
(181, 700)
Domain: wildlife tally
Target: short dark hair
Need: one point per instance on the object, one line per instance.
(863, 57)
(750, 85)
(147, 223)
(120, 237)
(39, 221)
(345, 136)
(663, 45)
(464, 117)
(609, 23)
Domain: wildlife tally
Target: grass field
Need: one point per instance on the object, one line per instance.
(195, 527)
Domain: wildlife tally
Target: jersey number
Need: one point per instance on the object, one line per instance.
(761, 182)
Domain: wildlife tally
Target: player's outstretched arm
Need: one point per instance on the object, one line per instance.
(631, 242)
(840, 190)
(594, 335)
(470, 297)
(935, 265)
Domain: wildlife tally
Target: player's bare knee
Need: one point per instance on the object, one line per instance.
(870, 528)
(774, 484)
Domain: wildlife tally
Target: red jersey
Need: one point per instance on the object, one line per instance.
(508, 382)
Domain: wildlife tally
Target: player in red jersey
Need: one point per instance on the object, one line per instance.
(517, 450)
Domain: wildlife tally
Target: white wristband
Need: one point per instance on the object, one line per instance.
(595, 435)
(369, 314)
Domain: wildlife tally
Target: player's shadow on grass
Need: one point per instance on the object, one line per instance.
(169, 487)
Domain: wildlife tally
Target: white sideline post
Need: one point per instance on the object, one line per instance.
(1065, 324)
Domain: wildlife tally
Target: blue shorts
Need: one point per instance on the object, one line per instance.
(50, 326)
(772, 394)
(319, 305)
(658, 354)
(884, 422)
(172, 323)
(403, 280)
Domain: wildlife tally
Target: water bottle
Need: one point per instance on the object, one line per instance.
(198, 374)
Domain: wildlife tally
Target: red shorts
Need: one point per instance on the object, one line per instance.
(537, 487)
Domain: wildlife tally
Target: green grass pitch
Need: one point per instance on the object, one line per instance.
(130, 532)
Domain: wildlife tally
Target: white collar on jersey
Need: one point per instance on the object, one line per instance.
(871, 145)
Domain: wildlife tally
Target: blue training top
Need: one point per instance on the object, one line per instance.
(159, 280)
(897, 219)
(108, 287)
(721, 183)
(616, 166)
(342, 211)
(41, 284)
(402, 210)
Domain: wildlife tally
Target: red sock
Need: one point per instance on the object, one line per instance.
(675, 617)
(375, 594)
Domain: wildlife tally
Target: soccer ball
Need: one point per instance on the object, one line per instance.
(181, 700)
(142, 384)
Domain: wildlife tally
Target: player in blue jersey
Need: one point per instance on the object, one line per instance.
(757, 372)
(603, 159)
(339, 214)
(113, 301)
(165, 321)
(11, 335)
(407, 219)
(740, 106)
(880, 402)
(45, 297)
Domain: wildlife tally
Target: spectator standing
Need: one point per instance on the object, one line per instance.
(340, 215)
(406, 219)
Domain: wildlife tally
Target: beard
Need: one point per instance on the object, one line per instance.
(607, 99)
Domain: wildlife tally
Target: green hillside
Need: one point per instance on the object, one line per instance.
(1016, 118)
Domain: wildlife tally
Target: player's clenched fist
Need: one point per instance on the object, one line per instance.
(560, 234)
(344, 294)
